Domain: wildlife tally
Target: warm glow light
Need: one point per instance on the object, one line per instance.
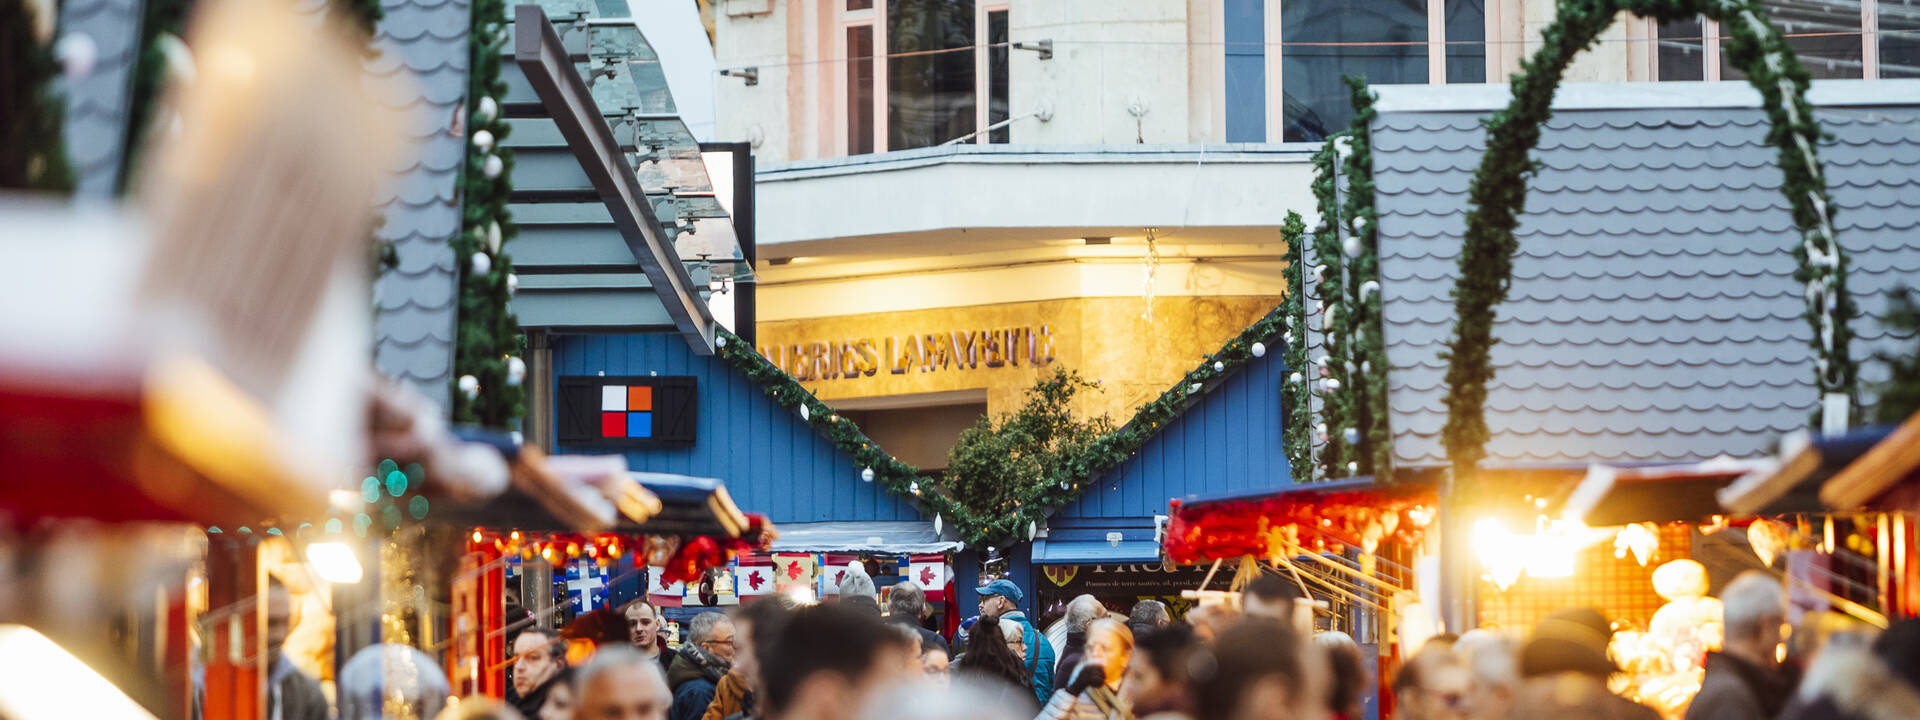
(1548, 553)
(476, 536)
(39, 679)
(802, 596)
(334, 562)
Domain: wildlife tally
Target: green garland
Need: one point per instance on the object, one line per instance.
(1328, 372)
(487, 340)
(32, 154)
(1499, 190)
(1367, 342)
(1294, 396)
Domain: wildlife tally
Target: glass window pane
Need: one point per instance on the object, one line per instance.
(859, 4)
(1317, 100)
(930, 79)
(998, 109)
(1246, 70)
(1899, 38)
(1682, 54)
(1824, 33)
(859, 89)
(1466, 41)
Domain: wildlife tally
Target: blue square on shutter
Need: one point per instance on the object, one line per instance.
(639, 424)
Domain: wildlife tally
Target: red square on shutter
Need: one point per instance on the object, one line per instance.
(639, 398)
(613, 424)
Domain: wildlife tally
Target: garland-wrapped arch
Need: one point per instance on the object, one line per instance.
(1499, 191)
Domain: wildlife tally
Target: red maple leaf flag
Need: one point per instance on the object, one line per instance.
(755, 579)
(793, 571)
(931, 573)
(662, 593)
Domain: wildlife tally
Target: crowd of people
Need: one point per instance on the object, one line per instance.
(1254, 660)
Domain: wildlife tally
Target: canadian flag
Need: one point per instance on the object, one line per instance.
(834, 570)
(931, 573)
(662, 593)
(754, 577)
(793, 569)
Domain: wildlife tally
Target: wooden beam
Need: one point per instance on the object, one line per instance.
(541, 56)
(1881, 469)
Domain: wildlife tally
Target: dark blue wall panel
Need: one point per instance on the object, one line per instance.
(1228, 442)
(771, 462)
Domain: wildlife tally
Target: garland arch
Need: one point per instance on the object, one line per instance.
(1499, 190)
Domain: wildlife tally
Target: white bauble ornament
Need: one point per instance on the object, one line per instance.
(487, 110)
(1350, 435)
(1321, 361)
(516, 371)
(493, 237)
(469, 386)
(1343, 146)
(483, 139)
(936, 523)
(493, 166)
(1260, 349)
(1368, 288)
(720, 341)
(513, 284)
(1331, 384)
(866, 474)
(1359, 225)
(1320, 428)
(1294, 378)
(1219, 366)
(805, 414)
(480, 263)
(1366, 368)
(1194, 388)
(518, 439)
(1351, 245)
(914, 487)
(1353, 468)
(78, 53)
(1032, 529)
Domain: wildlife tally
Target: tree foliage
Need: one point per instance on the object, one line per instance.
(1000, 466)
(1900, 393)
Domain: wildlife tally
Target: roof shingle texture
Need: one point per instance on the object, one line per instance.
(1653, 314)
(97, 104)
(425, 43)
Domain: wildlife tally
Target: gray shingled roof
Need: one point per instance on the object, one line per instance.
(1653, 315)
(426, 41)
(97, 104)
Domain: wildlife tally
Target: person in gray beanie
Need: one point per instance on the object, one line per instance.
(857, 591)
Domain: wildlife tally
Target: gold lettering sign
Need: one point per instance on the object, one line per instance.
(850, 358)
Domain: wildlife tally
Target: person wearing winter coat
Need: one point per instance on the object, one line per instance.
(702, 662)
(1852, 680)
(1002, 598)
(1096, 689)
(1743, 680)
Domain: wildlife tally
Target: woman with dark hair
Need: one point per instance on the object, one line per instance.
(1160, 675)
(990, 659)
(1350, 682)
(560, 698)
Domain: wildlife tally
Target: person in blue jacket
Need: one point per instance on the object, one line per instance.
(1002, 597)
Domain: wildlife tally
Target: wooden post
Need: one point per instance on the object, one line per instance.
(236, 662)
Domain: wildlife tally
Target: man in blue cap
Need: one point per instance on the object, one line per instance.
(1002, 598)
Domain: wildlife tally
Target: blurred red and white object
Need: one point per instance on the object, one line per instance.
(39, 679)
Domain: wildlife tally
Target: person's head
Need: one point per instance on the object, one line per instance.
(1150, 614)
(1256, 673)
(1269, 596)
(1014, 636)
(561, 702)
(621, 684)
(963, 699)
(538, 654)
(934, 663)
(712, 632)
(754, 625)
(1082, 610)
(1109, 645)
(1211, 620)
(907, 602)
(1160, 673)
(478, 707)
(857, 583)
(1753, 607)
(1493, 673)
(280, 616)
(999, 597)
(387, 671)
(1348, 676)
(826, 661)
(1568, 640)
(1433, 684)
(643, 626)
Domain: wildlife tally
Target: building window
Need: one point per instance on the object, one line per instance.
(1384, 41)
(1834, 39)
(1246, 70)
(933, 83)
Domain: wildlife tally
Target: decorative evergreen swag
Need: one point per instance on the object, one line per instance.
(32, 154)
(1499, 190)
(486, 368)
(983, 527)
(1295, 398)
(1351, 375)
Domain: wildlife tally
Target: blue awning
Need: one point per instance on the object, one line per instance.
(1095, 552)
(914, 536)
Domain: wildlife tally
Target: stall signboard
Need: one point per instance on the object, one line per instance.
(627, 412)
(1123, 585)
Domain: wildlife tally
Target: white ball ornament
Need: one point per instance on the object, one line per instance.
(1350, 435)
(914, 487)
(513, 284)
(493, 166)
(483, 139)
(1353, 468)
(866, 474)
(493, 237)
(720, 341)
(1351, 244)
(1294, 378)
(480, 263)
(78, 54)
(1321, 361)
(469, 386)
(1260, 349)
(1359, 225)
(1219, 366)
(516, 371)
(1331, 384)
(487, 110)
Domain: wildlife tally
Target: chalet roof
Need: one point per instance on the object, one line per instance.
(1653, 315)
